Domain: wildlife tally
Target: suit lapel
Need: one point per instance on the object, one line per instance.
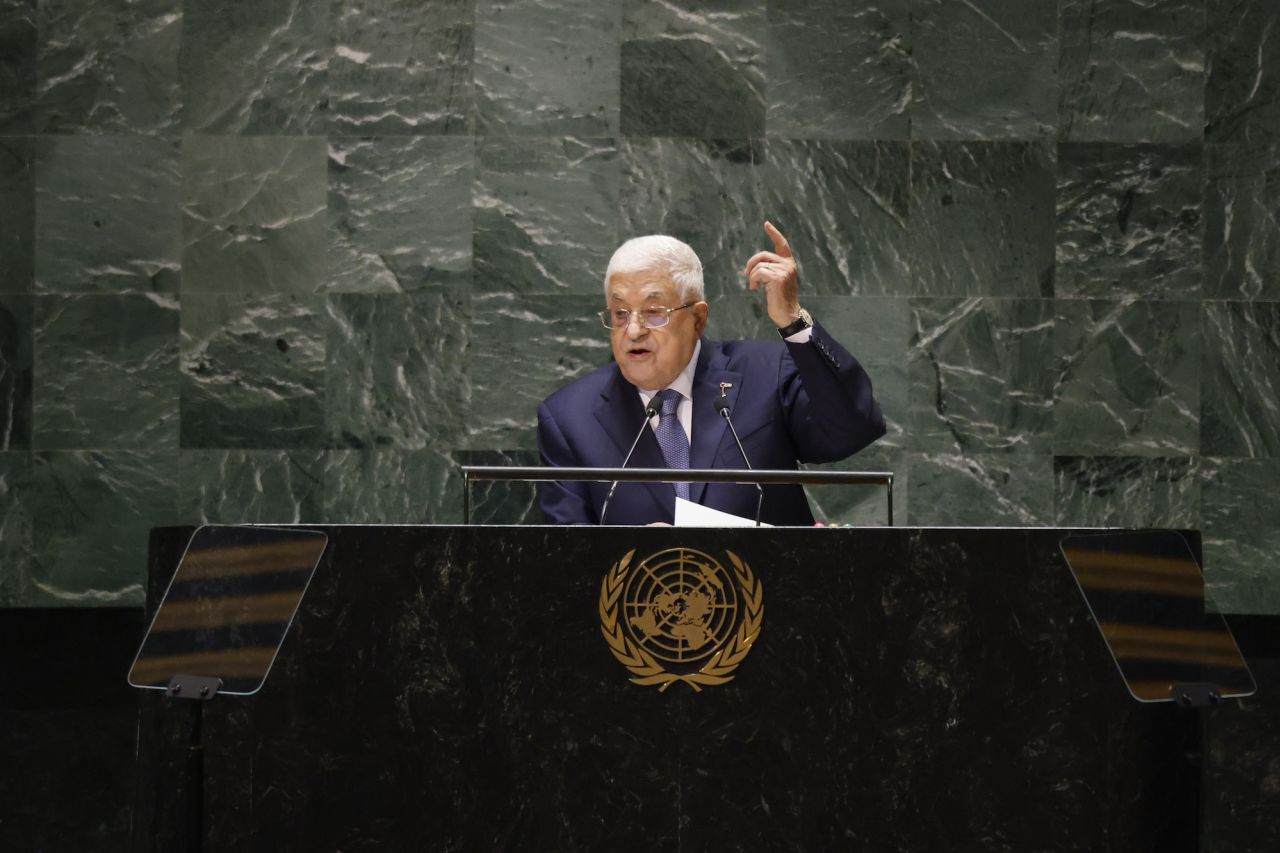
(620, 414)
(709, 427)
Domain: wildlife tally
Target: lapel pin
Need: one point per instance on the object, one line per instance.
(723, 387)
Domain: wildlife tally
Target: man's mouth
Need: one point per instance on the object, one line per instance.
(637, 352)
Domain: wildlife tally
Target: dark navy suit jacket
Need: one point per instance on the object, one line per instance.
(790, 403)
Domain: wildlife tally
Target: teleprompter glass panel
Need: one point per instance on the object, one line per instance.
(1146, 592)
(229, 606)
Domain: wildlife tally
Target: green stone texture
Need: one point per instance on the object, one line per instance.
(1241, 379)
(253, 372)
(17, 319)
(1009, 53)
(977, 377)
(981, 219)
(1126, 491)
(546, 214)
(689, 73)
(255, 68)
(107, 215)
(15, 527)
(1129, 221)
(1126, 378)
(550, 67)
(17, 215)
(396, 371)
(1241, 537)
(1242, 86)
(389, 486)
(106, 372)
(845, 206)
(1131, 72)
(704, 192)
(1242, 222)
(254, 215)
(19, 45)
(396, 71)
(399, 213)
(1012, 489)
(92, 511)
(109, 67)
(838, 70)
(251, 486)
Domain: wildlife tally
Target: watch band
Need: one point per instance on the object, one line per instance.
(801, 323)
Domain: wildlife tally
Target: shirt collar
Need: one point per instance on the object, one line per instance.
(682, 383)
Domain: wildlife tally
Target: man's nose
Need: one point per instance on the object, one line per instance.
(635, 324)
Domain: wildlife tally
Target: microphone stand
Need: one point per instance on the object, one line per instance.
(649, 412)
(722, 406)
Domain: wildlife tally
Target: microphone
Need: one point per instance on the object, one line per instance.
(650, 411)
(722, 406)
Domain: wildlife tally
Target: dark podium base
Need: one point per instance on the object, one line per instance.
(448, 688)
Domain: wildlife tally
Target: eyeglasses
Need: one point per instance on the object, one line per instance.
(651, 316)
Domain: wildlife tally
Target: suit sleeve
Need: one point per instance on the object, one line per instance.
(567, 502)
(827, 396)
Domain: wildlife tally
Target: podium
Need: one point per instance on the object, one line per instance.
(454, 688)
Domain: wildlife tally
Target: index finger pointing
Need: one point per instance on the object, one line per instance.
(780, 244)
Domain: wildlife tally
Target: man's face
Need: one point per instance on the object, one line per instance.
(652, 358)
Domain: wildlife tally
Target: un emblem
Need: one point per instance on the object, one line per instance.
(679, 615)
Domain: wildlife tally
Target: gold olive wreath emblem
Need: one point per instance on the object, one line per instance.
(678, 615)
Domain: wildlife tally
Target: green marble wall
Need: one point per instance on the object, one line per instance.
(291, 261)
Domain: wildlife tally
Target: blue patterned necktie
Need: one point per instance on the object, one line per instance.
(671, 437)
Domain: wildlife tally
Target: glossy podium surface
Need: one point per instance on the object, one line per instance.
(451, 688)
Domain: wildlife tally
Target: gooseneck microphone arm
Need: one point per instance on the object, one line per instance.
(649, 412)
(722, 406)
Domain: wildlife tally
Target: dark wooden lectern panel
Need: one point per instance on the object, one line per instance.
(449, 688)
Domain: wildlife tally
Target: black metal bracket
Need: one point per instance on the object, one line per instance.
(202, 687)
(1196, 694)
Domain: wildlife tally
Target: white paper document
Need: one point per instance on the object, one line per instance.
(690, 514)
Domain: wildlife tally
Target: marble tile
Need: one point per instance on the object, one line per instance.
(863, 506)
(844, 208)
(254, 214)
(1240, 395)
(15, 526)
(691, 70)
(17, 215)
(1131, 72)
(93, 511)
(395, 375)
(388, 486)
(399, 213)
(550, 67)
(546, 214)
(980, 489)
(106, 372)
(978, 381)
(1126, 378)
(1242, 86)
(838, 70)
(253, 372)
(255, 68)
(704, 192)
(981, 217)
(549, 339)
(1129, 223)
(742, 316)
(1126, 491)
(19, 45)
(1241, 538)
(878, 331)
(109, 67)
(401, 68)
(17, 322)
(1009, 83)
(1241, 222)
(107, 215)
(251, 486)
(501, 501)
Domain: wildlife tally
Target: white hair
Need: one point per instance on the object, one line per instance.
(658, 251)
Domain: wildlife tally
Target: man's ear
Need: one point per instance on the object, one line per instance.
(700, 312)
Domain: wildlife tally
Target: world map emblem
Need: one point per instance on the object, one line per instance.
(680, 615)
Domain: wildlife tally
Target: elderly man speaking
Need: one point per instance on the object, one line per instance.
(801, 399)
